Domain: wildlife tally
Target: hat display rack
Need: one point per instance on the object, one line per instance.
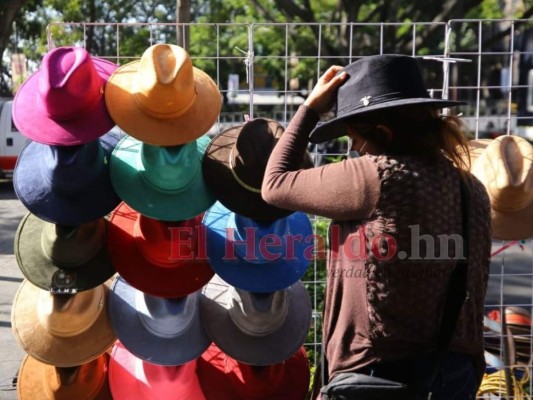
(59, 315)
(120, 294)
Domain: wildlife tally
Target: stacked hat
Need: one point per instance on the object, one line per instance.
(156, 238)
(255, 309)
(505, 167)
(165, 105)
(224, 378)
(59, 314)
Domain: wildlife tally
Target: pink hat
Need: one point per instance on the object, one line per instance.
(63, 102)
(224, 378)
(132, 378)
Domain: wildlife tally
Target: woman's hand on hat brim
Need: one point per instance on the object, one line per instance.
(323, 95)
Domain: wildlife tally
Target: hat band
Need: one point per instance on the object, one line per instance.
(168, 379)
(372, 100)
(85, 110)
(149, 253)
(139, 97)
(254, 322)
(72, 173)
(239, 180)
(145, 175)
(510, 200)
(251, 241)
(67, 328)
(162, 323)
(74, 389)
(55, 248)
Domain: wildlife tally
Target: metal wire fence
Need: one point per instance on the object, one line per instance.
(266, 69)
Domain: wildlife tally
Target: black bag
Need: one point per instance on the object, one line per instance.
(354, 386)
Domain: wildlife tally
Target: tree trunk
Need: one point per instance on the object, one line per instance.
(183, 16)
(8, 12)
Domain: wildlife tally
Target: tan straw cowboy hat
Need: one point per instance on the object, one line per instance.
(504, 166)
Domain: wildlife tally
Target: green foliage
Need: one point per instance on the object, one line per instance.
(315, 283)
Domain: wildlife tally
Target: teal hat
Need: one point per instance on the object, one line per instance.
(164, 183)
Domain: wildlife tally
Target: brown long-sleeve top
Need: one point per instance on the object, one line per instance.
(396, 224)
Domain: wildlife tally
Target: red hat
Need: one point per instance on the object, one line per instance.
(133, 378)
(160, 258)
(224, 378)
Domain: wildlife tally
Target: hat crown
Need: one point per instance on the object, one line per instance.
(259, 243)
(70, 169)
(69, 85)
(174, 382)
(70, 315)
(258, 314)
(505, 168)
(379, 79)
(166, 243)
(72, 246)
(166, 318)
(69, 383)
(169, 168)
(252, 149)
(165, 85)
(256, 382)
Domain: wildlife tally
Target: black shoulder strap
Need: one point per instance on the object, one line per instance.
(457, 291)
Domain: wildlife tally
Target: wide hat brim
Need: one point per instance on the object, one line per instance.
(219, 178)
(336, 126)
(40, 270)
(33, 122)
(30, 385)
(506, 225)
(170, 281)
(265, 277)
(143, 197)
(35, 340)
(125, 384)
(144, 344)
(97, 198)
(221, 378)
(269, 349)
(192, 124)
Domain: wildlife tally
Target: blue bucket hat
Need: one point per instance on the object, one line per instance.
(258, 257)
(67, 185)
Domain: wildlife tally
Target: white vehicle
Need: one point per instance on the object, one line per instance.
(11, 141)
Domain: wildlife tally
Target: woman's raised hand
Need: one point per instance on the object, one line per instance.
(323, 95)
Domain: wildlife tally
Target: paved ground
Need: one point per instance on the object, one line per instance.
(11, 212)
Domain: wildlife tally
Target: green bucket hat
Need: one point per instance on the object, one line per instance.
(164, 183)
(63, 259)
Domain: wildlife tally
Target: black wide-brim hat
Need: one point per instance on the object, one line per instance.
(376, 83)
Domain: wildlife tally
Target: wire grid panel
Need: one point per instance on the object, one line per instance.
(267, 69)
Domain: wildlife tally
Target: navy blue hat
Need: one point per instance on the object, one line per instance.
(67, 185)
(376, 83)
(258, 257)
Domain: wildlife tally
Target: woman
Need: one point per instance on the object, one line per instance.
(396, 227)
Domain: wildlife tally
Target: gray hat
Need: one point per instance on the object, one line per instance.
(158, 330)
(256, 328)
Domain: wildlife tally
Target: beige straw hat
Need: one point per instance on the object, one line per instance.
(504, 166)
